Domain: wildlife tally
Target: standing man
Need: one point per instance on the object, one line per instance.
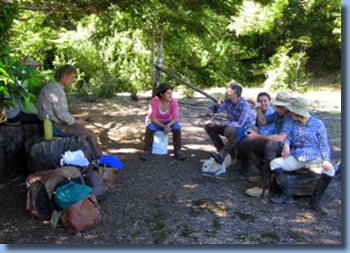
(264, 148)
(309, 148)
(239, 114)
(53, 104)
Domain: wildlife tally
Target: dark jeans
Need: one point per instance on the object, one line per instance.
(262, 153)
(25, 118)
(215, 131)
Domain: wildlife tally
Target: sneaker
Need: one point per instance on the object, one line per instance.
(254, 179)
(218, 158)
(256, 192)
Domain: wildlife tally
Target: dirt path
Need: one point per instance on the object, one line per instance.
(168, 201)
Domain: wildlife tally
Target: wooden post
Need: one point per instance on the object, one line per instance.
(158, 73)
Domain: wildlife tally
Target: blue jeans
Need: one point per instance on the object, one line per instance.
(58, 133)
(155, 128)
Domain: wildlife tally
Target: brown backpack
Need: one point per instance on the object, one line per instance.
(83, 215)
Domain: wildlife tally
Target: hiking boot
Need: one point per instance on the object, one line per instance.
(145, 156)
(254, 179)
(282, 199)
(218, 158)
(286, 196)
(149, 135)
(322, 184)
(179, 155)
(256, 192)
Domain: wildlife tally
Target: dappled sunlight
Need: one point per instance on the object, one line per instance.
(306, 217)
(218, 207)
(125, 150)
(190, 186)
(203, 147)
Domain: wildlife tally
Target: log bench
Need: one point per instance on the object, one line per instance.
(301, 182)
(46, 155)
(13, 158)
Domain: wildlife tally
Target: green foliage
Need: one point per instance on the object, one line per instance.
(8, 12)
(18, 82)
(287, 71)
(206, 42)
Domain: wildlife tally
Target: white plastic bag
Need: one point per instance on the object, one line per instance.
(160, 143)
(75, 158)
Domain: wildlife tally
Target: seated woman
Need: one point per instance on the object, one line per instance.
(163, 115)
(308, 148)
(264, 109)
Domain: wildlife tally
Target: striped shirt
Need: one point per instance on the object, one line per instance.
(239, 115)
(310, 141)
(53, 102)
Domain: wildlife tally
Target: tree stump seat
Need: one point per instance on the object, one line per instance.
(302, 182)
(46, 155)
(13, 158)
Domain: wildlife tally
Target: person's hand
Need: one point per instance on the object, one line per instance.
(166, 129)
(257, 105)
(79, 121)
(215, 123)
(327, 166)
(220, 101)
(285, 151)
(251, 135)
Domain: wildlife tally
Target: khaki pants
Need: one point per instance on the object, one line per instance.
(291, 163)
(79, 130)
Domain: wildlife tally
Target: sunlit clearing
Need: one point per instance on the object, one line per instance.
(190, 186)
(204, 147)
(125, 150)
(306, 217)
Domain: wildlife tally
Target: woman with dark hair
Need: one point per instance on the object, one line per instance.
(53, 104)
(264, 109)
(163, 115)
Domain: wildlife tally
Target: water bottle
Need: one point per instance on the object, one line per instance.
(47, 128)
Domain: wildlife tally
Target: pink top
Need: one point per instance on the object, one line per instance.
(172, 113)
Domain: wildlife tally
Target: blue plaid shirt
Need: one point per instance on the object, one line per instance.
(283, 123)
(310, 141)
(240, 113)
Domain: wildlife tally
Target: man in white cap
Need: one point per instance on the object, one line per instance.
(262, 149)
(307, 147)
(17, 114)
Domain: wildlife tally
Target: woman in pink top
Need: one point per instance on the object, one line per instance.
(163, 115)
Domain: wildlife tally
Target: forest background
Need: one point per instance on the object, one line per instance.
(276, 44)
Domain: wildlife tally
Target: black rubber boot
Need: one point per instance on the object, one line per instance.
(286, 196)
(149, 135)
(316, 196)
(177, 145)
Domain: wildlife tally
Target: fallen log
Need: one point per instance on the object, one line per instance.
(301, 182)
(46, 155)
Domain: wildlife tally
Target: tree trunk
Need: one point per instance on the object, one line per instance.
(13, 159)
(158, 74)
(46, 155)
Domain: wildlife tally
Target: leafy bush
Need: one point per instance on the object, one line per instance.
(287, 71)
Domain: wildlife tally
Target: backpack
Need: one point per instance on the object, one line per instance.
(76, 206)
(82, 215)
(40, 188)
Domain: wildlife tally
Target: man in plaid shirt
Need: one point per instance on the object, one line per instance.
(307, 148)
(52, 103)
(239, 115)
